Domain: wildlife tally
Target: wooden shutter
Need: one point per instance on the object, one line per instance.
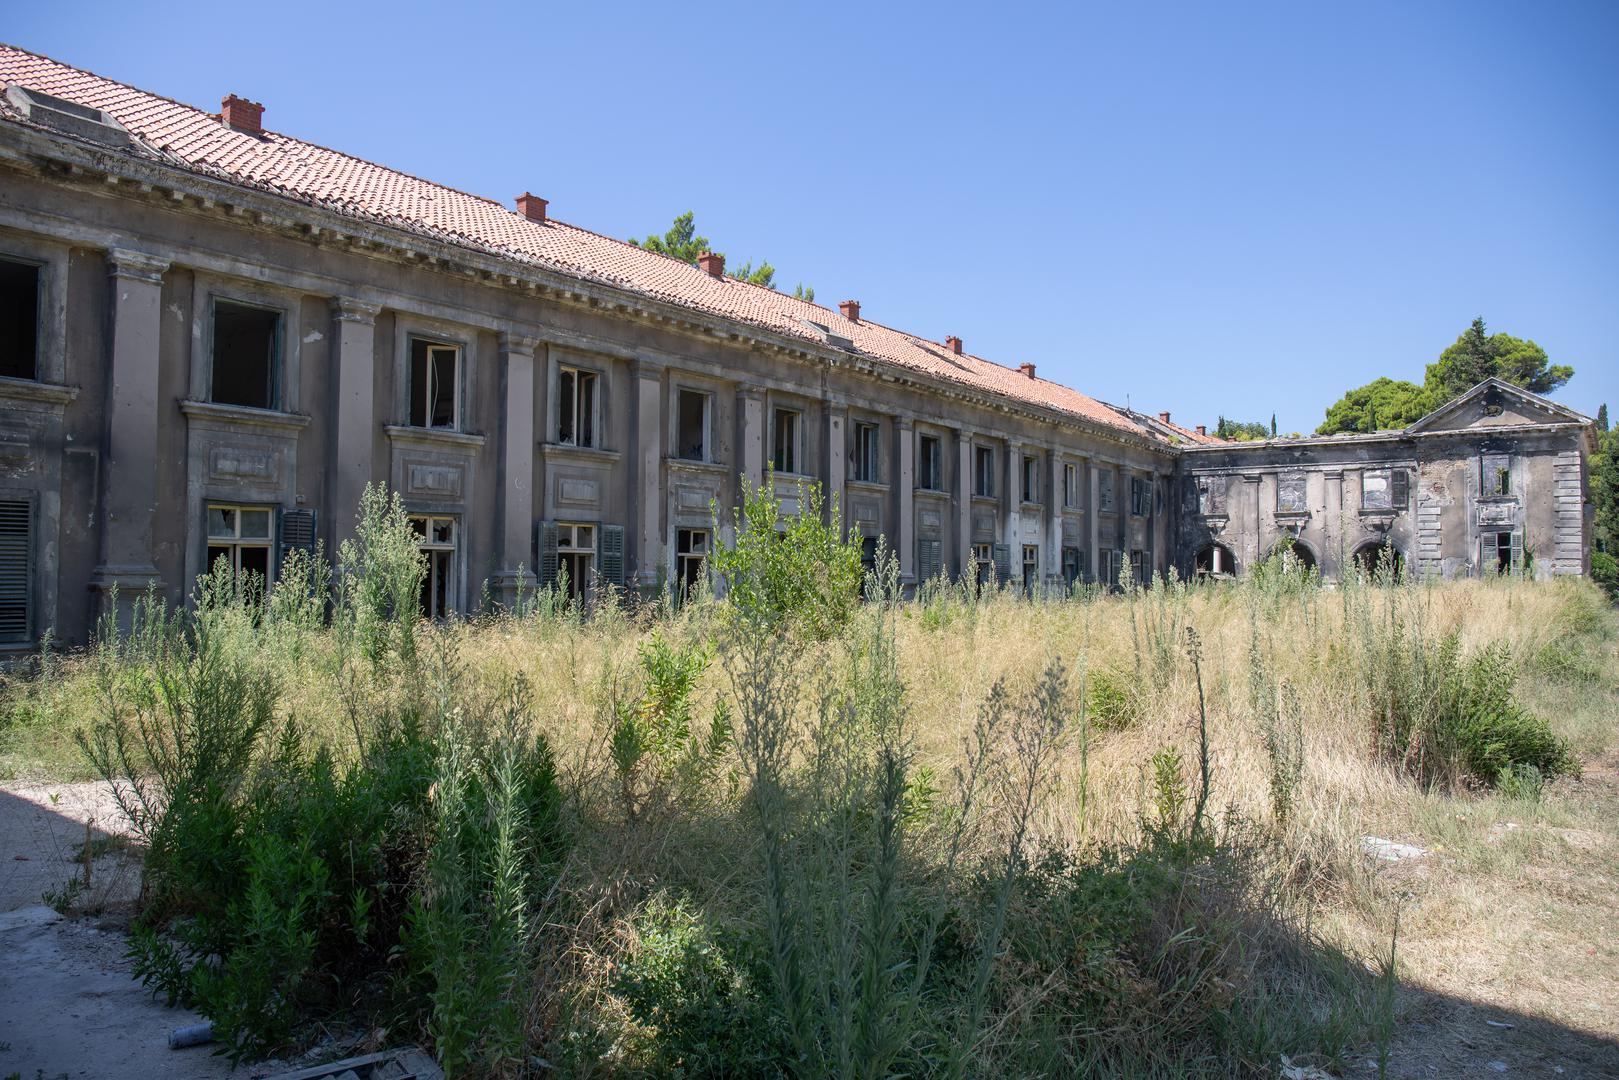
(612, 554)
(1401, 497)
(928, 559)
(546, 564)
(297, 532)
(1002, 555)
(1517, 551)
(16, 570)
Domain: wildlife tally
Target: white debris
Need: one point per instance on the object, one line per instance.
(1390, 850)
(1291, 1071)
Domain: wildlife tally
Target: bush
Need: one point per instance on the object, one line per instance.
(1111, 700)
(1605, 572)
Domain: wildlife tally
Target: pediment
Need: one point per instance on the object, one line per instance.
(1494, 403)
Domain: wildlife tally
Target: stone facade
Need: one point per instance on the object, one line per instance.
(218, 371)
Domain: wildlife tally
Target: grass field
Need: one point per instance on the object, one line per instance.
(955, 836)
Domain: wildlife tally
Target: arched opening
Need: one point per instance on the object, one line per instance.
(1294, 553)
(1379, 556)
(1214, 560)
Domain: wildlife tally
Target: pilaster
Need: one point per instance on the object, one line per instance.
(750, 406)
(648, 473)
(964, 503)
(906, 483)
(353, 412)
(1093, 520)
(517, 468)
(837, 461)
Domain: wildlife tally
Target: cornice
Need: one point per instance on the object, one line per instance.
(42, 393)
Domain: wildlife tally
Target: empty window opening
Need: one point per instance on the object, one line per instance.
(576, 557)
(784, 426)
(239, 538)
(868, 554)
(1291, 494)
(983, 563)
(1214, 560)
(984, 471)
(1070, 486)
(864, 454)
(1497, 474)
(1140, 497)
(436, 538)
(576, 407)
(1031, 479)
(435, 380)
(930, 464)
(1379, 558)
(692, 423)
(1073, 562)
(1105, 490)
(1031, 568)
(16, 570)
(691, 559)
(1211, 496)
(19, 320)
(1294, 554)
(247, 355)
(1140, 572)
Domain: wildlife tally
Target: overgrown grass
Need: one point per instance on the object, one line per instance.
(974, 833)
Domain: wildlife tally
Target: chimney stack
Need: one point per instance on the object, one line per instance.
(243, 115)
(1163, 417)
(1202, 429)
(532, 207)
(850, 309)
(713, 264)
(953, 343)
(1027, 369)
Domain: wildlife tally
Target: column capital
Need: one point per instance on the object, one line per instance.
(904, 423)
(348, 309)
(136, 265)
(750, 393)
(519, 344)
(645, 367)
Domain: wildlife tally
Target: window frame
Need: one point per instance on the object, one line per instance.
(278, 361)
(236, 542)
(581, 584)
(1498, 486)
(700, 557)
(707, 397)
(1140, 497)
(580, 414)
(795, 444)
(1031, 479)
(1070, 486)
(1106, 495)
(983, 471)
(929, 468)
(452, 548)
(865, 452)
(40, 268)
(430, 344)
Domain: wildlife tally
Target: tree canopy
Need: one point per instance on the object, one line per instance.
(682, 242)
(1475, 356)
(1243, 431)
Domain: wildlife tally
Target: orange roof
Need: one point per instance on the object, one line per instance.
(201, 142)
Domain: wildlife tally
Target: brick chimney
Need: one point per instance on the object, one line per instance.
(1163, 417)
(953, 343)
(713, 264)
(850, 309)
(1202, 429)
(243, 115)
(1027, 369)
(532, 207)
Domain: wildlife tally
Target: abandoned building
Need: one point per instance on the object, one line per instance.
(213, 336)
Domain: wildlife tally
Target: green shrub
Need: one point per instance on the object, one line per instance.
(380, 573)
(1111, 700)
(1493, 734)
(1605, 572)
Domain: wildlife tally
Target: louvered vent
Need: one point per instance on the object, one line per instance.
(16, 577)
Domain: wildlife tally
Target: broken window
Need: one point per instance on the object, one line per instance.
(692, 425)
(1031, 479)
(576, 556)
(1290, 494)
(984, 471)
(864, 452)
(1070, 486)
(1140, 497)
(983, 563)
(691, 559)
(1138, 567)
(247, 355)
(1031, 568)
(1073, 561)
(576, 407)
(435, 379)
(1501, 552)
(436, 539)
(19, 320)
(1497, 472)
(239, 537)
(930, 464)
(1376, 490)
(16, 570)
(1211, 496)
(1104, 490)
(785, 428)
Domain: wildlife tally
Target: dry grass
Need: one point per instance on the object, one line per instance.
(1515, 908)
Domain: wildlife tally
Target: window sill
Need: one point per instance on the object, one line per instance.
(432, 437)
(32, 390)
(238, 416)
(707, 468)
(986, 500)
(874, 487)
(931, 493)
(567, 452)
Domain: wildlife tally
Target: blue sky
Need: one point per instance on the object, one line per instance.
(1207, 208)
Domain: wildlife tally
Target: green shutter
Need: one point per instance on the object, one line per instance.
(547, 561)
(612, 554)
(1002, 555)
(16, 571)
(1517, 551)
(297, 528)
(928, 559)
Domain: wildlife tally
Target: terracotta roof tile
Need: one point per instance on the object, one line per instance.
(273, 162)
